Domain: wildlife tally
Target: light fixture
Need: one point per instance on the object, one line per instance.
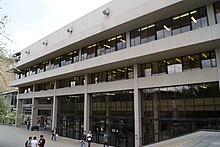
(70, 30)
(193, 19)
(106, 11)
(45, 43)
(165, 27)
(27, 52)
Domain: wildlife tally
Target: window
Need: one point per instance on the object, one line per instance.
(217, 11)
(91, 51)
(75, 56)
(66, 59)
(83, 53)
(110, 45)
(162, 67)
(185, 22)
(146, 70)
(176, 25)
(121, 41)
(198, 18)
(55, 63)
(206, 61)
(155, 69)
(135, 37)
(101, 48)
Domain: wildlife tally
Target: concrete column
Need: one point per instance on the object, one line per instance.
(54, 114)
(137, 109)
(128, 41)
(156, 126)
(54, 108)
(210, 13)
(80, 53)
(87, 106)
(34, 112)
(217, 53)
(18, 113)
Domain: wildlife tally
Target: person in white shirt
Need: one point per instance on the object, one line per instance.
(34, 142)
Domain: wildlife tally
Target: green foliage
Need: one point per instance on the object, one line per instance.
(6, 115)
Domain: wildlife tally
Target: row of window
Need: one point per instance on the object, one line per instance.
(179, 64)
(113, 75)
(181, 23)
(167, 66)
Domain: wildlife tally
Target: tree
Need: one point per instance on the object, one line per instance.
(6, 61)
(6, 115)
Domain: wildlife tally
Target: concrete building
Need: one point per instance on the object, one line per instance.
(144, 70)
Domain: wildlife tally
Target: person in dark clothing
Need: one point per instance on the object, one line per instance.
(28, 123)
(41, 142)
(83, 140)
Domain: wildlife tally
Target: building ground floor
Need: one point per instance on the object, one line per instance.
(148, 115)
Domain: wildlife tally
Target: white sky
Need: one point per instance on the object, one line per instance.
(31, 20)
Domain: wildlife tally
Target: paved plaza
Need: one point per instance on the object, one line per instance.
(198, 139)
(16, 137)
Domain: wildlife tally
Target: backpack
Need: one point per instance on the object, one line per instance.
(28, 143)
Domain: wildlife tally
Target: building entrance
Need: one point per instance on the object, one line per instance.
(120, 131)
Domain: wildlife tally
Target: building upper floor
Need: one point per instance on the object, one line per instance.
(153, 29)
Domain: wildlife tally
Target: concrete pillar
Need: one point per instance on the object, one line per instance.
(54, 114)
(18, 113)
(54, 108)
(137, 109)
(210, 13)
(80, 55)
(34, 112)
(217, 53)
(155, 107)
(128, 41)
(87, 106)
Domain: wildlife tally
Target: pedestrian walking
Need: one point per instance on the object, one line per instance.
(34, 142)
(28, 123)
(28, 142)
(105, 139)
(89, 138)
(54, 134)
(83, 139)
(41, 142)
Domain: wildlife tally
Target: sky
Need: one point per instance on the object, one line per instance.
(32, 20)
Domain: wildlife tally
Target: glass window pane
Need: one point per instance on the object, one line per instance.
(75, 56)
(135, 37)
(167, 27)
(101, 48)
(213, 59)
(185, 22)
(144, 34)
(186, 63)
(195, 19)
(151, 33)
(176, 25)
(110, 45)
(217, 11)
(178, 65)
(205, 59)
(159, 29)
(203, 17)
(83, 53)
(170, 66)
(130, 72)
(91, 51)
(195, 61)
(162, 67)
(155, 69)
(121, 41)
(146, 70)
